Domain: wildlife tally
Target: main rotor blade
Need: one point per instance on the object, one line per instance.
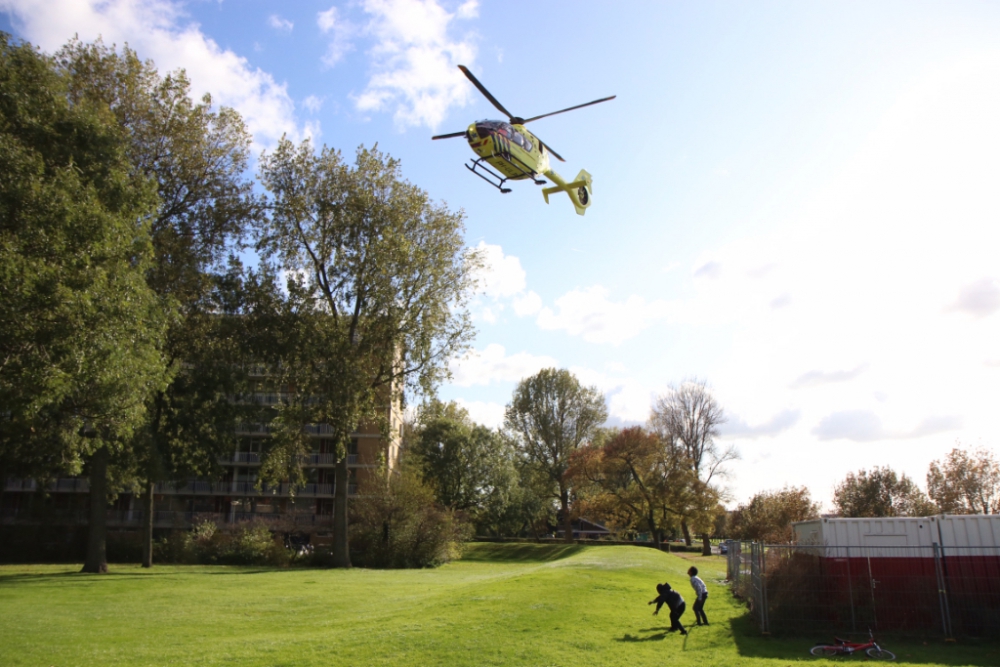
(578, 106)
(549, 149)
(450, 136)
(482, 89)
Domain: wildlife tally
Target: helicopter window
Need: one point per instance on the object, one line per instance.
(520, 140)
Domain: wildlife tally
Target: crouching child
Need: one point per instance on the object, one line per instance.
(674, 601)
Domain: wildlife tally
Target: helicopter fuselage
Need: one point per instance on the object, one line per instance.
(510, 149)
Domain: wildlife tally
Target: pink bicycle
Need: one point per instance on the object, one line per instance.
(844, 647)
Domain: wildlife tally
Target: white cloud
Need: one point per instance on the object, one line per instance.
(488, 414)
(414, 61)
(161, 31)
(502, 275)
(814, 378)
(313, 103)
(979, 299)
(468, 10)
(591, 314)
(492, 364)
(529, 304)
(342, 34)
(279, 23)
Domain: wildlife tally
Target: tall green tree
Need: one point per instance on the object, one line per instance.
(81, 332)
(378, 280)
(687, 418)
(965, 482)
(768, 515)
(880, 492)
(551, 415)
(470, 467)
(197, 158)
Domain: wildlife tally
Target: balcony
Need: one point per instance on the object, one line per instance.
(312, 460)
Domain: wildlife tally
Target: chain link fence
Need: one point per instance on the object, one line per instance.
(926, 591)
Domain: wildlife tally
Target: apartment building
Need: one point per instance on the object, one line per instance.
(231, 498)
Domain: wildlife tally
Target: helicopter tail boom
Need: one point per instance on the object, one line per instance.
(579, 190)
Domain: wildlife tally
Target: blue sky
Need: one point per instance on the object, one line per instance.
(796, 202)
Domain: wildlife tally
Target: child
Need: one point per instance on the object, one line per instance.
(674, 602)
(700, 595)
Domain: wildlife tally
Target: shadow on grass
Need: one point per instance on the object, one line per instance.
(659, 634)
(486, 552)
(41, 577)
(750, 643)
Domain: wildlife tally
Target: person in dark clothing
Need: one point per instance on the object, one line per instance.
(700, 595)
(674, 601)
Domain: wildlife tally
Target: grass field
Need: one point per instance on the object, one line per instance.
(512, 604)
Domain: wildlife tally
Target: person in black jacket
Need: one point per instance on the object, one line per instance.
(674, 602)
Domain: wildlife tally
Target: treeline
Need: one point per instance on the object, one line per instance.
(965, 481)
(553, 461)
(129, 325)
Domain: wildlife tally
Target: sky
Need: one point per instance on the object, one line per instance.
(794, 202)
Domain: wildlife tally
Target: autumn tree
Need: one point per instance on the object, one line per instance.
(81, 331)
(965, 482)
(551, 415)
(378, 278)
(880, 493)
(768, 515)
(197, 157)
(634, 477)
(687, 419)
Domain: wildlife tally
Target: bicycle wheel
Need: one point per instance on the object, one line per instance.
(880, 654)
(824, 651)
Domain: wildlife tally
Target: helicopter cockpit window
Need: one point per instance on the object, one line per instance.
(519, 139)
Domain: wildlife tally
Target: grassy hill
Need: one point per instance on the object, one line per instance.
(504, 604)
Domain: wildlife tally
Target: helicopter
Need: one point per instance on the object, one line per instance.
(517, 154)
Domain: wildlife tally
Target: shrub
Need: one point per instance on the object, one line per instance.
(397, 524)
(206, 544)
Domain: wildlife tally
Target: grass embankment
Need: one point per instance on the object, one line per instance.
(504, 604)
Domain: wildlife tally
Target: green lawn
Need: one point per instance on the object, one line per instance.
(514, 604)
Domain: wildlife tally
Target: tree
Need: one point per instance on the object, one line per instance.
(378, 279)
(470, 467)
(687, 419)
(880, 493)
(636, 479)
(197, 159)
(768, 516)
(81, 332)
(551, 414)
(965, 482)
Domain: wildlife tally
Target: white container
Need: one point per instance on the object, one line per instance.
(947, 530)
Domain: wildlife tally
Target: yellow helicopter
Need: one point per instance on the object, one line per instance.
(517, 154)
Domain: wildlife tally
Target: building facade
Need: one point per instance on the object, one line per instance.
(229, 499)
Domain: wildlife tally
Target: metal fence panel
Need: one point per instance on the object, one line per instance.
(917, 590)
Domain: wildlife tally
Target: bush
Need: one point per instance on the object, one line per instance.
(248, 543)
(397, 524)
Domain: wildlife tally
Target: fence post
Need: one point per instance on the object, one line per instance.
(942, 593)
(766, 624)
(850, 589)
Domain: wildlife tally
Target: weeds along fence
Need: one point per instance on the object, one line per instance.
(924, 591)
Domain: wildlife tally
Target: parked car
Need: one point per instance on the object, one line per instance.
(723, 548)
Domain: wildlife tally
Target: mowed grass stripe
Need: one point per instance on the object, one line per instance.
(502, 605)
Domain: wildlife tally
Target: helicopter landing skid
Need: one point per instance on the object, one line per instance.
(495, 179)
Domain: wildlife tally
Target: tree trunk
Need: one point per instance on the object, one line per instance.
(687, 532)
(653, 532)
(706, 546)
(341, 548)
(567, 519)
(147, 525)
(97, 557)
